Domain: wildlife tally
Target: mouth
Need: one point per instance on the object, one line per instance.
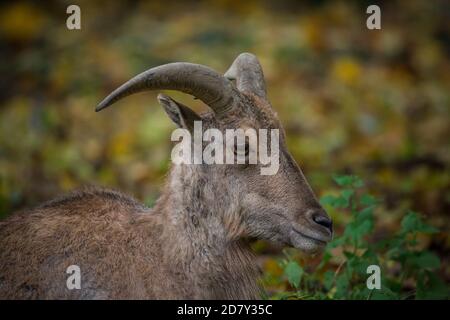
(308, 243)
(319, 241)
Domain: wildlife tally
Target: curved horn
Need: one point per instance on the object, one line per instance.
(248, 74)
(202, 82)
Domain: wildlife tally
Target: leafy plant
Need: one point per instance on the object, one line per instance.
(407, 270)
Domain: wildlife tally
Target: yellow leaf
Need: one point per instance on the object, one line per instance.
(346, 70)
(21, 21)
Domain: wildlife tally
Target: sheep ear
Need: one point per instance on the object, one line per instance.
(180, 114)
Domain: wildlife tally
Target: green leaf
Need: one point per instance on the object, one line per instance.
(358, 183)
(413, 223)
(343, 181)
(328, 279)
(370, 256)
(365, 214)
(368, 200)
(328, 200)
(352, 262)
(342, 284)
(336, 242)
(426, 260)
(348, 181)
(341, 202)
(384, 294)
(325, 258)
(347, 193)
(393, 252)
(334, 201)
(392, 245)
(357, 231)
(281, 296)
(293, 273)
(430, 286)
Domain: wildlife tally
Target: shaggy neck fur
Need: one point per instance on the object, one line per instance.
(202, 236)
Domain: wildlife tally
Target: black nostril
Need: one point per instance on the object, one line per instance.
(323, 221)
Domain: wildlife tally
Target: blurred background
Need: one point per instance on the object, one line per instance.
(374, 103)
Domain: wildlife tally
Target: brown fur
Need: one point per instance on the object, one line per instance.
(121, 248)
(191, 245)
